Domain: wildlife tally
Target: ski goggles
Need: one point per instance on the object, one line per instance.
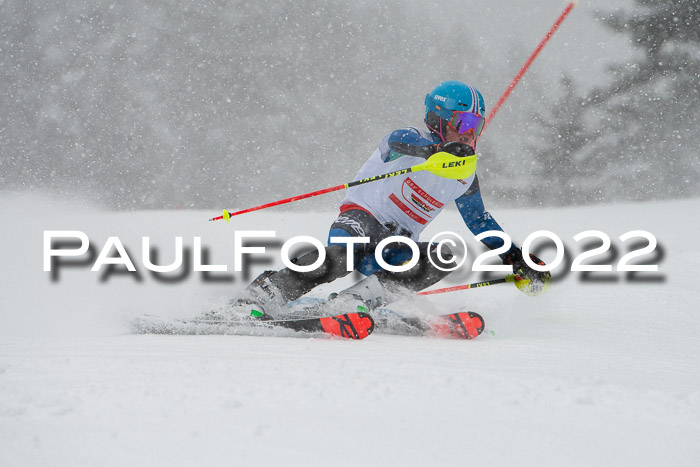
(461, 122)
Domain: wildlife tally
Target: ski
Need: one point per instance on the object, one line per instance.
(348, 325)
(462, 325)
(354, 325)
(459, 325)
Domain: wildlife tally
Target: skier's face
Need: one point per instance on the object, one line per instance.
(466, 138)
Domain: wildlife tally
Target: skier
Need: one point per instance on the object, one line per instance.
(400, 205)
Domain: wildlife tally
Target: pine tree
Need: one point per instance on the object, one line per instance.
(636, 137)
(655, 104)
(563, 173)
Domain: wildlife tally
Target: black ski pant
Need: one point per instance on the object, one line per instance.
(359, 223)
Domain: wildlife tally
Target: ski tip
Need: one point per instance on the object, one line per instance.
(475, 324)
(368, 322)
(464, 325)
(350, 325)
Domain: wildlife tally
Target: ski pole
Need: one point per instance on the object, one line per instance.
(442, 164)
(510, 278)
(529, 61)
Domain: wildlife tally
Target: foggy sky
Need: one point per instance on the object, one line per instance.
(231, 104)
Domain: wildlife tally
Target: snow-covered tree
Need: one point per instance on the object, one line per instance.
(563, 174)
(636, 137)
(656, 102)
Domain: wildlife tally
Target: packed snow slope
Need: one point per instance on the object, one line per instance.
(603, 372)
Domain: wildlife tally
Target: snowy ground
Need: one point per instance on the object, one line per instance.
(600, 373)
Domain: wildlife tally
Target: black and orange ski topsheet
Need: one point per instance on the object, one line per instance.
(349, 325)
(465, 325)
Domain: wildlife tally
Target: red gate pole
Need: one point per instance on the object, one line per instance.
(529, 61)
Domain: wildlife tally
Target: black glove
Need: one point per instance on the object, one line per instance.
(531, 282)
(455, 148)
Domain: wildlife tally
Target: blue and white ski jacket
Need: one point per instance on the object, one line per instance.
(415, 199)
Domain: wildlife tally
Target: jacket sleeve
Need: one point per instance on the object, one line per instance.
(406, 142)
(478, 220)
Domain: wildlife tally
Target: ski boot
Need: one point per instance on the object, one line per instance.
(261, 293)
(364, 296)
